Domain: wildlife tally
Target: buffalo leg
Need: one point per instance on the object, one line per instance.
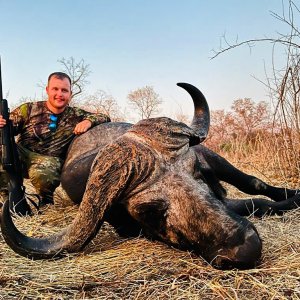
(246, 183)
(260, 207)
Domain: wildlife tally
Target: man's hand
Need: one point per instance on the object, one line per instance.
(82, 127)
(2, 122)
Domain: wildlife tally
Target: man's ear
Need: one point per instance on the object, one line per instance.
(47, 90)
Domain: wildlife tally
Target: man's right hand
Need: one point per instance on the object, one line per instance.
(2, 122)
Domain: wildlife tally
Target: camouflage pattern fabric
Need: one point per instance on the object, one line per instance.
(43, 171)
(32, 121)
(42, 151)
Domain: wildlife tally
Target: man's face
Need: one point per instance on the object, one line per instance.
(59, 94)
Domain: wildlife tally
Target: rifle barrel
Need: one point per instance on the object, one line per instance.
(1, 93)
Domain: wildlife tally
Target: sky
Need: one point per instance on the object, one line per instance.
(133, 43)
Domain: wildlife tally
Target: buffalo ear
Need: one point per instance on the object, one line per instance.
(152, 214)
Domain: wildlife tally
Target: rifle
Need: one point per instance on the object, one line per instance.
(10, 161)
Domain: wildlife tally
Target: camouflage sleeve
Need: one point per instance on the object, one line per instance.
(95, 119)
(19, 116)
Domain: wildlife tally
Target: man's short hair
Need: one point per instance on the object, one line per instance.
(59, 75)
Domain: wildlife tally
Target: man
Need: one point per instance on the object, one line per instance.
(45, 129)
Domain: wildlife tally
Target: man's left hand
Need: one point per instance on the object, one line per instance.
(82, 127)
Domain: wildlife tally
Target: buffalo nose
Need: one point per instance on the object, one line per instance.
(241, 256)
(249, 252)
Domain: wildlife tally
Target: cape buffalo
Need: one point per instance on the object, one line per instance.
(156, 178)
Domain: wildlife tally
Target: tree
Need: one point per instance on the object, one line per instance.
(249, 116)
(145, 101)
(221, 129)
(180, 116)
(101, 102)
(245, 124)
(78, 72)
(283, 83)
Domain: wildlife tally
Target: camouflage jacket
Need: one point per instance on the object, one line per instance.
(31, 123)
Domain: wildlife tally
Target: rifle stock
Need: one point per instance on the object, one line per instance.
(7, 157)
(10, 161)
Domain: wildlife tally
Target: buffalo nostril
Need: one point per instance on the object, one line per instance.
(241, 256)
(249, 252)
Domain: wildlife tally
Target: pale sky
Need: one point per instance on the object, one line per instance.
(133, 43)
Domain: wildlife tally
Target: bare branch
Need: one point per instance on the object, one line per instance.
(78, 72)
(251, 43)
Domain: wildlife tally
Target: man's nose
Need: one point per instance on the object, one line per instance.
(59, 93)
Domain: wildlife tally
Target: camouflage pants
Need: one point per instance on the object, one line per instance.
(43, 171)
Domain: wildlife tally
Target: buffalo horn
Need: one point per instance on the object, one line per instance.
(201, 119)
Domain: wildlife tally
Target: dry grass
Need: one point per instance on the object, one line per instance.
(114, 268)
